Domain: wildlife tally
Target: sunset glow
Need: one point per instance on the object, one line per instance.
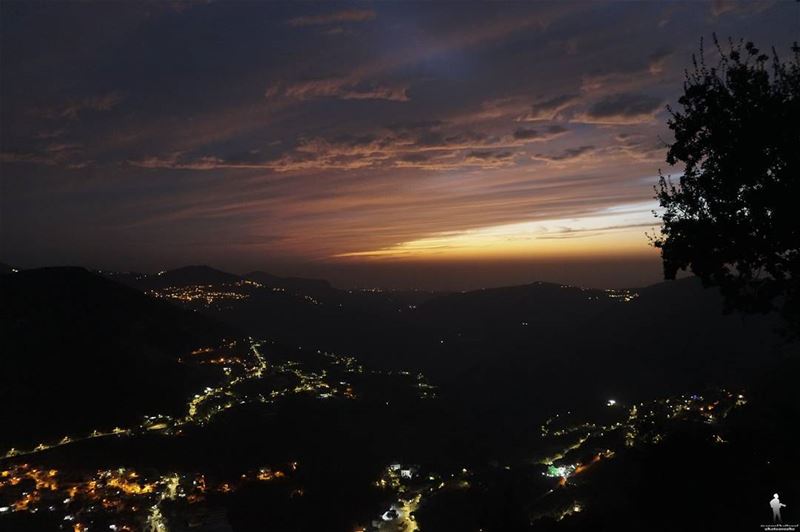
(616, 231)
(318, 135)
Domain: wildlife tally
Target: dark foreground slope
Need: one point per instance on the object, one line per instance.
(81, 352)
(698, 433)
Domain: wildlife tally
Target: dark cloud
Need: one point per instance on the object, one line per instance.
(523, 133)
(490, 158)
(424, 144)
(342, 88)
(148, 126)
(640, 146)
(633, 73)
(414, 125)
(337, 17)
(459, 139)
(64, 154)
(566, 155)
(416, 157)
(49, 134)
(660, 54)
(623, 108)
(740, 7)
(569, 232)
(539, 134)
(73, 108)
(490, 155)
(625, 105)
(550, 108)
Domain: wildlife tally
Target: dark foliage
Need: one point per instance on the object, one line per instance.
(732, 218)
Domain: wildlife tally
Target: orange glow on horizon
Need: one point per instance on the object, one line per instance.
(615, 232)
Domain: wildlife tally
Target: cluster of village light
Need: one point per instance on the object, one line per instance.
(409, 486)
(642, 423)
(205, 294)
(621, 295)
(123, 492)
(204, 405)
(211, 295)
(122, 499)
(134, 499)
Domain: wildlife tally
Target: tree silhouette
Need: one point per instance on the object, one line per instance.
(733, 219)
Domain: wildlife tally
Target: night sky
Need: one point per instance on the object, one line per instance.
(396, 143)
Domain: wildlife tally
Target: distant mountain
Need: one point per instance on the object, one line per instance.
(190, 275)
(532, 306)
(315, 287)
(133, 279)
(81, 351)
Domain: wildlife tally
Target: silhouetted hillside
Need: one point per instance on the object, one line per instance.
(667, 337)
(507, 354)
(81, 351)
(296, 310)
